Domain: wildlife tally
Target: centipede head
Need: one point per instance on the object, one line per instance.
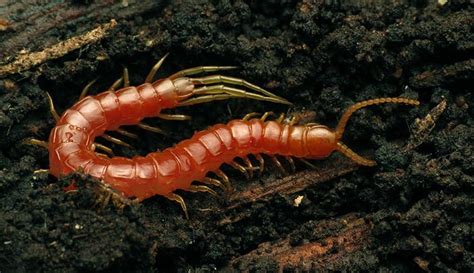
(341, 147)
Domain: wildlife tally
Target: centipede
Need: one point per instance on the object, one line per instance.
(188, 164)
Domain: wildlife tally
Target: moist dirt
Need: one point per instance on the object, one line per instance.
(416, 206)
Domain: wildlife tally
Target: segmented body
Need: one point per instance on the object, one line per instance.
(161, 173)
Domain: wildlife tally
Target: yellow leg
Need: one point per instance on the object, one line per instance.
(261, 162)
(37, 142)
(202, 188)
(292, 163)
(174, 117)
(214, 182)
(224, 178)
(153, 129)
(279, 165)
(52, 109)
(116, 140)
(266, 115)
(251, 115)
(86, 89)
(240, 168)
(116, 84)
(103, 148)
(154, 69)
(180, 200)
(307, 163)
(127, 133)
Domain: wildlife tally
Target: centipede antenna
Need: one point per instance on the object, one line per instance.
(37, 142)
(200, 69)
(154, 69)
(52, 109)
(345, 117)
(341, 147)
(86, 89)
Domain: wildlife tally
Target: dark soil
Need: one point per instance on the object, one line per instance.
(414, 210)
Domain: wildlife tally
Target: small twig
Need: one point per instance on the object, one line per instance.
(26, 61)
(423, 127)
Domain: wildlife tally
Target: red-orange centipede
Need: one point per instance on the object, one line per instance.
(71, 142)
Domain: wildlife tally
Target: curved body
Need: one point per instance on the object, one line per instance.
(71, 141)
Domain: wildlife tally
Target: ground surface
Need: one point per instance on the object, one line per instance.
(414, 212)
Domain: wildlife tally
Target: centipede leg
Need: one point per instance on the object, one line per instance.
(174, 117)
(40, 171)
(279, 165)
(154, 69)
(103, 148)
(250, 167)
(261, 162)
(126, 79)
(240, 168)
(150, 128)
(280, 118)
(202, 188)
(86, 89)
(200, 69)
(307, 163)
(292, 163)
(250, 115)
(214, 182)
(37, 142)
(52, 109)
(176, 198)
(293, 120)
(116, 84)
(266, 115)
(224, 178)
(116, 140)
(127, 133)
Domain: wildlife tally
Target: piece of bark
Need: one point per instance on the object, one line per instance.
(31, 26)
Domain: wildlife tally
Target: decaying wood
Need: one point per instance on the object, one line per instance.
(28, 60)
(353, 236)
